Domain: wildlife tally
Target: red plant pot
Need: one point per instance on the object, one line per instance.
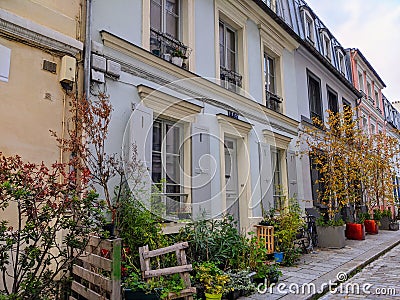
(355, 231)
(371, 227)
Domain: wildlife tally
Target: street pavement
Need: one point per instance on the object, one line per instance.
(325, 268)
(379, 280)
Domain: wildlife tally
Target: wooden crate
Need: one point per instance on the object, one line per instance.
(97, 272)
(266, 234)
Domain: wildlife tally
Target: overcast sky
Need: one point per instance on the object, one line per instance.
(373, 26)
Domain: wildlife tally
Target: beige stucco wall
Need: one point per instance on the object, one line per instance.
(60, 15)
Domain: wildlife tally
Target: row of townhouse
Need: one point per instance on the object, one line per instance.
(213, 92)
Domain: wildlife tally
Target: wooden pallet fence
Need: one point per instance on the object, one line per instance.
(97, 273)
(183, 267)
(266, 234)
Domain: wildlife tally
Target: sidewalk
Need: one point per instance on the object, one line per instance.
(319, 268)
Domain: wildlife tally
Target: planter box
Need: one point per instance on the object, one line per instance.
(331, 236)
(371, 227)
(394, 226)
(139, 295)
(355, 231)
(385, 221)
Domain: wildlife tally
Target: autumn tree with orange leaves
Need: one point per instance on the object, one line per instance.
(353, 165)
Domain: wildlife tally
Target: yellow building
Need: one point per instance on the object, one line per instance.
(39, 46)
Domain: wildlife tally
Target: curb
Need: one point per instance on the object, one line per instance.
(353, 270)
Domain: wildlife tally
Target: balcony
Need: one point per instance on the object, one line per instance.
(167, 47)
(230, 79)
(273, 102)
(371, 100)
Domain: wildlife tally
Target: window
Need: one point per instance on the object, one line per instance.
(309, 28)
(228, 57)
(5, 58)
(364, 120)
(369, 93)
(332, 101)
(166, 163)
(377, 98)
(373, 126)
(317, 185)
(327, 46)
(360, 81)
(341, 62)
(314, 96)
(276, 156)
(164, 17)
(273, 101)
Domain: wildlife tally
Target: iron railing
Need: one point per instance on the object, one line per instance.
(166, 46)
(230, 79)
(273, 101)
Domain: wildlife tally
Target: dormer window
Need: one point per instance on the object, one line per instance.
(326, 46)
(309, 27)
(341, 63)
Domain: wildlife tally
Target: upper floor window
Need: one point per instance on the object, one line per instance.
(373, 126)
(369, 91)
(309, 28)
(332, 101)
(377, 98)
(360, 81)
(341, 64)
(228, 57)
(314, 96)
(273, 101)
(164, 16)
(327, 46)
(364, 124)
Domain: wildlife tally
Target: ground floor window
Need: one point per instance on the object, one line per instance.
(278, 194)
(167, 162)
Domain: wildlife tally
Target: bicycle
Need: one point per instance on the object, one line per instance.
(308, 237)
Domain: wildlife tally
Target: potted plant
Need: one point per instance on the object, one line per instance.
(240, 284)
(137, 289)
(177, 57)
(213, 279)
(356, 231)
(331, 233)
(267, 273)
(371, 225)
(386, 217)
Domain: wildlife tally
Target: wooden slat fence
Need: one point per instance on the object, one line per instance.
(182, 269)
(97, 274)
(266, 234)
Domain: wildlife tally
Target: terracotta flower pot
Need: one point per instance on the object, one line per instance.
(213, 296)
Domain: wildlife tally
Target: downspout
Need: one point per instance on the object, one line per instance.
(88, 41)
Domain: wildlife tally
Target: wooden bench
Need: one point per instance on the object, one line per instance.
(182, 269)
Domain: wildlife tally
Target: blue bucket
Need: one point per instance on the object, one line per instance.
(278, 256)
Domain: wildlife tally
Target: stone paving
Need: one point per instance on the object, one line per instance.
(379, 280)
(314, 271)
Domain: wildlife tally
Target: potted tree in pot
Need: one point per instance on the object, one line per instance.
(356, 231)
(213, 279)
(386, 217)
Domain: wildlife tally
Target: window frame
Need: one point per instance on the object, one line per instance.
(309, 27)
(341, 62)
(319, 114)
(330, 91)
(163, 21)
(225, 28)
(267, 73)
(278, 194)
(162, 185)
(327, 45)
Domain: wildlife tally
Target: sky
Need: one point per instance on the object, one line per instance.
(373, 26)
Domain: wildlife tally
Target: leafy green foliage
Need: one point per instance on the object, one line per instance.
(212, 278)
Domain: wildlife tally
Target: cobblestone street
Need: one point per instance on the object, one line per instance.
(379, 280)
(315, 271)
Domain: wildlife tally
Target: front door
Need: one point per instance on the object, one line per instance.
(231, 178)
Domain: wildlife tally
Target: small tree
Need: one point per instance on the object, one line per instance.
(54, 216)
(332, 147)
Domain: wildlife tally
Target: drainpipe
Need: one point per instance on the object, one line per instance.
(88, 40)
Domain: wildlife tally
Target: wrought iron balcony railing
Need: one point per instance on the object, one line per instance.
(230, 79)
(273, 101)
(166, 47)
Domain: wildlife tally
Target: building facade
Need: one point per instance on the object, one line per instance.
(40, 42)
